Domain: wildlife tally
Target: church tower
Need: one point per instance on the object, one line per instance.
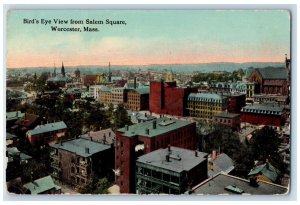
(63, 70)
(109, 73)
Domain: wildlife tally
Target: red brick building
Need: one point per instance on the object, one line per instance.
(236, 101)
(263, 114)
(167, 98)
(228, 120)
(136, 140)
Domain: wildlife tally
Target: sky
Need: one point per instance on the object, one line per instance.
(149, 37)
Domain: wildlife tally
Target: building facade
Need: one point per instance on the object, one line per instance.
(105, 97)
(136, 140)
(171, 170)
(74, 161)
(137, 99)
(263, 114)
(167, 98)
(227, 120)
(206, 105)
(118, 95)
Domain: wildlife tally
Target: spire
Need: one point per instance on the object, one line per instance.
(109, 73)
(63, 69)
(54, 72)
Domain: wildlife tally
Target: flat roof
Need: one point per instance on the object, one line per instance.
(216, 185)
(163, 125)
(80, 146)
(179, 159)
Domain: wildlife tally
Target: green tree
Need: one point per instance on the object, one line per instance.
(94, 186)
(120, 117)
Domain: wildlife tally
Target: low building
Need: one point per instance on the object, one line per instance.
(265, 172)
(137, 99)
(172, 171)
(12, 117)
(75, 161)
(47, 133)
(219, 163)
(43, 185)
(72, 94)
(227, 120)
(206, 105)
(222, 184)
(268, 98)
(263, 114)
(106, 136)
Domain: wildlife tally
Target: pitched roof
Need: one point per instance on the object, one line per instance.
(223, 163)
(41, 185)
(14, 115)
(267, 170)
(163, 125)
(81, 147)
(273, 72)
(179, 159)
(48, 128)
(106, 136)
(10, 136)
(216, 185)
(206, 97)
(266, 108)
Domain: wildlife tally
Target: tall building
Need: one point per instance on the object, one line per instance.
(167, 98)
(171, 170)
(137, 99)
(136, 140)
(206, 105)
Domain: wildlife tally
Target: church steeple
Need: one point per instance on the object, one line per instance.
(63, 69)
(109, 73)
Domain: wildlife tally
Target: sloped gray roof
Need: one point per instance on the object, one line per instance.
(48, 128)
(41, 185)
(206, 97)
(81, 147)
(267, 170)
(271, 72)
(265, 108)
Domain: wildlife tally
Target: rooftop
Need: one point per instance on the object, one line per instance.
(10, 136)
(206, 97)
(226, 115)
(14, 115)
(273, 72)
(267, 170)
(179, 159)
(48, 128)
(28, 120)
(41, 185)
(273, 109)
(106, 136)
(223, 163)
(217, 184)
(163, 125)
(81, 147)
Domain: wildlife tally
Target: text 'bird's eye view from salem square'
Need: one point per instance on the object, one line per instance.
(184, 102)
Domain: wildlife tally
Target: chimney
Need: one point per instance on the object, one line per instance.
(87, 150)
(213, 155)
(126, 127)
(104, 138)
(253, 182)
(167, 158)
(145, 114)
(169, 147)
(267, 163)
(154, 124)
(147, 131)
(196, 153)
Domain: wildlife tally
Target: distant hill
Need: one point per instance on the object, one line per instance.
(177, 68)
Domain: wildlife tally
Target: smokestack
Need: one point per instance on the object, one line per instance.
(126, 127)
(196, 153)
(87, 150)
(167, 158)
(154, 124)
(213, 155)
(134, 82)
(147, 131)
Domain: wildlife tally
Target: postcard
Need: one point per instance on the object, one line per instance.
(193, 102)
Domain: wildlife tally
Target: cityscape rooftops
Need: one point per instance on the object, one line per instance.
(265, 108)
(81, 147)
(41, 185)
(153, 128)
(179, 159)
(48, 128)
(217, 185)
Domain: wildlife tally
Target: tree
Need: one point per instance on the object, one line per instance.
(120, 117)
(94, 186)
